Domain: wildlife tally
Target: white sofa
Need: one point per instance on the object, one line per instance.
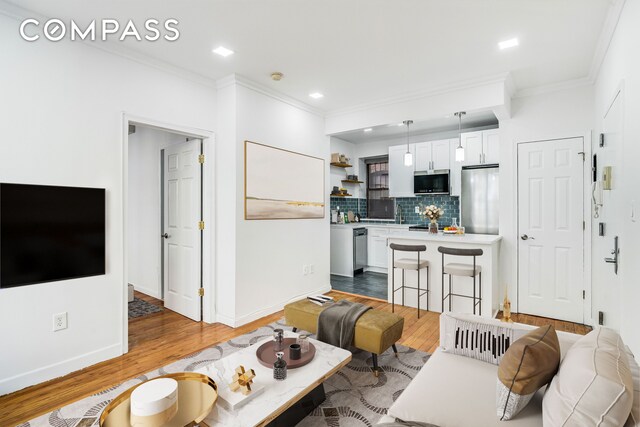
(459, 391)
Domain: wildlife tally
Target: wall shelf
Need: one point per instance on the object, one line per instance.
(341, 195)
(341, 165)
(350, 181)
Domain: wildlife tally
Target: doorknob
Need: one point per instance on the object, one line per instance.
(525, 237)
(165, 235)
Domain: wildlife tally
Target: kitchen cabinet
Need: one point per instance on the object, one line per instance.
(377, 247)
(432, 155)
(400, 176)
(481, 147)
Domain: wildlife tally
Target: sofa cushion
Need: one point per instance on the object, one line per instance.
(634, 416)
(478, 337)
(593, 386)
(530, 363)
(457, 391)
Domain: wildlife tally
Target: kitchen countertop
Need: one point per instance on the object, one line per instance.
(367, 225)
(478, 239)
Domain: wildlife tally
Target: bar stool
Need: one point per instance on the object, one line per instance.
(464, 270)
(408, 264)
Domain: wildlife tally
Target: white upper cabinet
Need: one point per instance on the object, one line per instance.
(482, 147)
(432, 155)
(440, 158)
(401, 176)
(491, 144)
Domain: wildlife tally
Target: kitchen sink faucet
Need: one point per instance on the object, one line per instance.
(399, 213)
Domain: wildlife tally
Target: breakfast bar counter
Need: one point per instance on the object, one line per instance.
(490, 245)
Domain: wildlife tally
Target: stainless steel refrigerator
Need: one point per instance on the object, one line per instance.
(480, 196)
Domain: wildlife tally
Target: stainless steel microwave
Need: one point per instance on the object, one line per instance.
(431, 182)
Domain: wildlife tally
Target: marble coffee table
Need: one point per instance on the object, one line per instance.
(277, 397)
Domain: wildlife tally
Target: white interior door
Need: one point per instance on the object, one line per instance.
(182, 235)
(550, 226)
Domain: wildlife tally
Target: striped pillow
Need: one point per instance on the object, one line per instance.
(477, 337)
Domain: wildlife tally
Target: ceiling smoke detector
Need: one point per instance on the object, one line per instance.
(277, 76)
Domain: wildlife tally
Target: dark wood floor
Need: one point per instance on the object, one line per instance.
(367, 284)
(161, 338)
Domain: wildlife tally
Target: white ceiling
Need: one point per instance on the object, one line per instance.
(441, 124)
(358, 51)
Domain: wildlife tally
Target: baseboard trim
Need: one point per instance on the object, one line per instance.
(248, 318)
(56, 370)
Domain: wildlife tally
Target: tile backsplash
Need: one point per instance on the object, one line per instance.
(450, 204)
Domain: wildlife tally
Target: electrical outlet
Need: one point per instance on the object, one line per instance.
(417, 209)
(59, 321)
(600, 318)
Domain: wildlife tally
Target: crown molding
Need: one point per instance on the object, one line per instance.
(240, 80)
(553, 87)
(426, 93)
(606, 35)
(18, 13)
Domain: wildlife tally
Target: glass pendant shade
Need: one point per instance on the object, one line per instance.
(408, 159)
(459, 154)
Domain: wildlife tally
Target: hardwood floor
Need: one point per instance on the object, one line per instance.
(161, 338)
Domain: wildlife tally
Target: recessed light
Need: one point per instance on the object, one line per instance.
(506, 44)
(223, 51)
(367, 130)
(316, 95)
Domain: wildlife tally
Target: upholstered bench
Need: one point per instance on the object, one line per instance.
(375, 332)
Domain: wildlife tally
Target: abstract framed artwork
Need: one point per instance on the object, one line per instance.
(282, 184)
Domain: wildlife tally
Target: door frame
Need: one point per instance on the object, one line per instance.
(208, 207)
(587, 141)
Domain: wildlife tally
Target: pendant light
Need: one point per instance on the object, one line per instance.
(408, 157)
(460, 148)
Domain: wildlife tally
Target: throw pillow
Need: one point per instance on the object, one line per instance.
(634, 416)
(528, 364)
(477, 337)
(594, 385)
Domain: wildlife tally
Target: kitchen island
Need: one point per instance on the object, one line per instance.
(490, 244)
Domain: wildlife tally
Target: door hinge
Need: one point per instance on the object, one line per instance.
(201, 159)
(584, 225)
(201, 225)
(201, 292)
(584, 293)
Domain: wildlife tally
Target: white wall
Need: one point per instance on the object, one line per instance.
(622, 65)
(552, 115)
(61, 112)
(144, 208)
(270, 254)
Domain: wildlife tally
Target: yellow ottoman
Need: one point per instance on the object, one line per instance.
(375, 331)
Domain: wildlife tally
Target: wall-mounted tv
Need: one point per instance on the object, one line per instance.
(50, 233)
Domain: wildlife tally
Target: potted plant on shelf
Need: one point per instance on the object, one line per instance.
(433, 213)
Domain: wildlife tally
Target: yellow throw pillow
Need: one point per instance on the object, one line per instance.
(529, 363)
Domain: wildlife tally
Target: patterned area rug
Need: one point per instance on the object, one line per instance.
(355, 397)
(139, 308)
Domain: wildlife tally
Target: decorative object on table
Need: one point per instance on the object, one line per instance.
(453, 228)
(433, 213)
(278, 337)
(154, 403)
(280, 367)
(242, 380)
(295, 351)
(197, 394)
(506, 307)
(303, 341)
(267, 356)
(358, 218)
(281, 184)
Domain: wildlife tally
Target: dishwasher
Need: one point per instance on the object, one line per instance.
(359, 250)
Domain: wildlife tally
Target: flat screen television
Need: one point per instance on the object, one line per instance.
(50, 233)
